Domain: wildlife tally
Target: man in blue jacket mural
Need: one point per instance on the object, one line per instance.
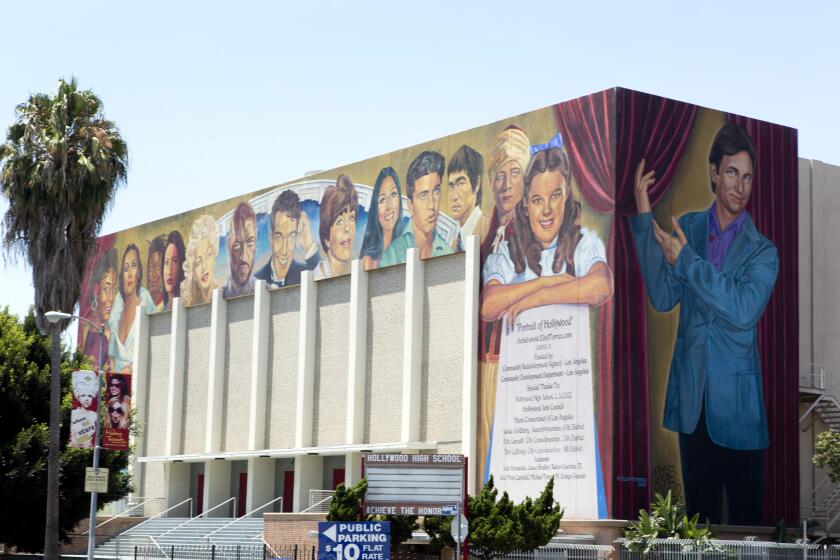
(721, 271)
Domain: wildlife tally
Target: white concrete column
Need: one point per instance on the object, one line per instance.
(306, 362)
(412, 346)
(216, 372)
(217, 488)
(357, 353)
(139, 379)
(259, 370)
(309, 474)
(260, 484)
(352, 468)
(175, 400)
(176, 485)
(469, 390)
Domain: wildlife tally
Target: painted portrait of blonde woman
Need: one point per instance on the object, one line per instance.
(202, 249)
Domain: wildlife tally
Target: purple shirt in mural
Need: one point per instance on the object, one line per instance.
(721, 241)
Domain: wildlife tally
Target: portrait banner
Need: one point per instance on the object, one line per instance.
(117, 411)
(83, 409)
(544, 422)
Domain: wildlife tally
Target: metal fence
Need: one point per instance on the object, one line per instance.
(673, 549)
(224, 552)
(656, 549)
(562, 551)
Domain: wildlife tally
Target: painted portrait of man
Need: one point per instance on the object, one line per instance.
(721, 271)
(242, 249)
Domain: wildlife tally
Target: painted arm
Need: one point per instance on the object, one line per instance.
(498, 297)
(739, 302)
(662, 286)
(592, 289)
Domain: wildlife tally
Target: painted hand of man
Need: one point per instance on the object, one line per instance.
(304, 233)
(643, 182)
(671, 245)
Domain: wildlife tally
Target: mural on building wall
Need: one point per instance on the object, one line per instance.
(706, 237)
(573, 364)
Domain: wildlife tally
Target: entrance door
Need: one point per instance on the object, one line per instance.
(243, 494)
(288, 491)
(199, 499)
(338, 478)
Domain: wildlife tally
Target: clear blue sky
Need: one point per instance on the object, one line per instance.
(217, 99)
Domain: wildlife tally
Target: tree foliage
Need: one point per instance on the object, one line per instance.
(827, 453)
(666, 520)
(24, 410)
(346, 505)
(497, 526)
(59, 168)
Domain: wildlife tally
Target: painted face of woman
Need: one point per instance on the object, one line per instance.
(342, 234)
(205, 262)
(545, 203)
(388, 204)
(154, 273)
(171, 266)
(107, 293)
(131, 268)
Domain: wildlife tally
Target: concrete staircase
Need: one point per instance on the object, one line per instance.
(183, 532)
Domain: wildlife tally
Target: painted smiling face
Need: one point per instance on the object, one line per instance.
(171, 268)
(342, 235)
(733, 183)
(107, 291)
(114, 388)
(283, 242)
(545, 204)
(205, 262)
(388, 204)
(130, 271)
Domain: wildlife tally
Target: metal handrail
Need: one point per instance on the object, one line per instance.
(151, 538)
(124, 514)
(271, 548)
(201, 515)
(207, 536)
(316, 504)
(167, 510)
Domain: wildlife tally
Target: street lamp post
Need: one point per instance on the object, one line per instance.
(54, 317)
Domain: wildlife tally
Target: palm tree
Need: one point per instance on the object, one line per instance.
(59, 169)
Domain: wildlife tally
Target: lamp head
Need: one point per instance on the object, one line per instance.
(56, 316)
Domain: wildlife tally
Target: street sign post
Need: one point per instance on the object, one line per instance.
(354, 540)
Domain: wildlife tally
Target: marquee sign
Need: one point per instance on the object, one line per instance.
(413, 484)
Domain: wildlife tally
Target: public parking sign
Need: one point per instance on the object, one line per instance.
(351, 540)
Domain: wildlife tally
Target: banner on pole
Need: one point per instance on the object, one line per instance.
(83, 409)
(117, 411)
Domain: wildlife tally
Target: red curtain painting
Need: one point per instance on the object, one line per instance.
(773, 207)
(607, 134)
